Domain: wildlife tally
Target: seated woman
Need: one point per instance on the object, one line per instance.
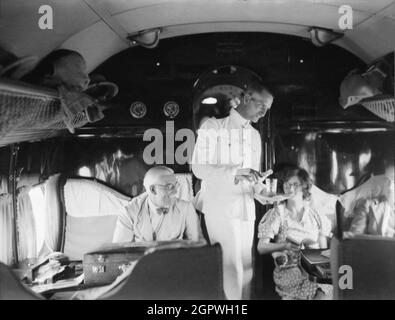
(291, 225)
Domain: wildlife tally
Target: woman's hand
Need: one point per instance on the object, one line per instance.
(265, 246)
(288, 246)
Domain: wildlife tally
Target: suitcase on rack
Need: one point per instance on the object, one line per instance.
(104, 265)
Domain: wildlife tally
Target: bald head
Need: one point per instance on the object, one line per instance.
(158, 175)
(161, 184)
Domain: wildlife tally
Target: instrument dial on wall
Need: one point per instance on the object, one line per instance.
(171, 109)
(138, 109)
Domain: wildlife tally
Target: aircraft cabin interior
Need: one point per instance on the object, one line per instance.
(197, 150)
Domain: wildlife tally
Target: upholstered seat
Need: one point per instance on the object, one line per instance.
(193, 273)
(372, 261)
(91, 214)
(370, 258)
(11, 288)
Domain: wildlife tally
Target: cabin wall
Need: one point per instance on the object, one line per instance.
(338, 161)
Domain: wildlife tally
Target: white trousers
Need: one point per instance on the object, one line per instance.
(236, 238)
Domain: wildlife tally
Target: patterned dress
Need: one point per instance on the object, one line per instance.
(291, 281)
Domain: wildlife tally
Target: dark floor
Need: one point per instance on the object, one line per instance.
(263, 279)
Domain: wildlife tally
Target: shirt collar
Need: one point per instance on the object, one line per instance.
(237, 119)
(157, 209)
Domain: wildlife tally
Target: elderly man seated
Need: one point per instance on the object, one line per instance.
(373, 212)
(374, 217)
(157, 215)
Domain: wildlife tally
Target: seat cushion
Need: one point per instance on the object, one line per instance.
(87, 198)
(91, 214)
(85, 234)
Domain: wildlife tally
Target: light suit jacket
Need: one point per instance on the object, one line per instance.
(375, 217)
(181, 222)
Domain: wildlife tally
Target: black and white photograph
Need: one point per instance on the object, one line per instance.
(214, 152)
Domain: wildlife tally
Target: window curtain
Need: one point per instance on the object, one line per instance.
(6, 253)
(3, 185)
(37, 198)
(53, 214)
(26, 226)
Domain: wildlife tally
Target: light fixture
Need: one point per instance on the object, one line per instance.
(146, 38)
(209, 100)
(84, 172)
(321, 36)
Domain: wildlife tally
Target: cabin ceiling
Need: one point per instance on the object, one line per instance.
(99, 28)
(304, 79)
(270, 38)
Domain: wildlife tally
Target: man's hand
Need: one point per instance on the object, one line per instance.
(251, 175)
(264, 199)
(265, 174)
(247, 174)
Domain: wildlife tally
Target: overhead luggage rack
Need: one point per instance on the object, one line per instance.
(29, 113)
(382, 106)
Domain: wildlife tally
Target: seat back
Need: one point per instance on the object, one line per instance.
(54, 212)
(325, 205)
(11, 288)
(91, 214)
(193, 273)
(372, 261)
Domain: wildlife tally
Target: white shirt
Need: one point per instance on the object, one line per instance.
(235, 145)
(141, 222)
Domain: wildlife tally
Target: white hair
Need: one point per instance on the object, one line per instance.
(152, 175)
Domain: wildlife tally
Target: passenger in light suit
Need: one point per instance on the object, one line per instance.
(227, 158)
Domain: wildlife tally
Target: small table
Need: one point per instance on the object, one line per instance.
(317, 269)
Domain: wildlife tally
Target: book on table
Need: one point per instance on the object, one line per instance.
(316, 256)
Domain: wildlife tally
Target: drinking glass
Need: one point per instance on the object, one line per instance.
(271, 186)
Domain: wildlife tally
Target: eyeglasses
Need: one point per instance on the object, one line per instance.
(169, 187)
(295, 185)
